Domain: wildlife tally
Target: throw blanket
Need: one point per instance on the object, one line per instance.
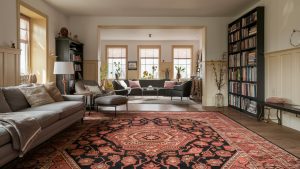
(22, 128)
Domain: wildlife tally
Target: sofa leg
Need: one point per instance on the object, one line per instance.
(115, 111)
(81, 121)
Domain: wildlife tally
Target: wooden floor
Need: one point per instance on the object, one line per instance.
(284, 137)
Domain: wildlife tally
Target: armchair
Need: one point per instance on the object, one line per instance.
(119, 89)
(80, 89)
(183, 90)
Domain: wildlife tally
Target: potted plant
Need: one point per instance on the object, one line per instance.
(179, 69)
(117, 71)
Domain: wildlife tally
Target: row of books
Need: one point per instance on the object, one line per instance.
(234, 47)
(248, 43)
(76, 58)
(249, 74)
(249, 19)
(249, 105)
(234, 60)
(234, 37)
(248, 89)
(248, 58)
(234, 74)
(234, 87)
(234, 100)
(249, 31)
(77, 67)
(234, 27)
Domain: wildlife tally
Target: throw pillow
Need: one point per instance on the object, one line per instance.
(15, 98)
(54, 91)
(123, 84)
(4, 107)
(169, 84)
(37, 96)
(276, 100)
(93, 89)
(134, 84)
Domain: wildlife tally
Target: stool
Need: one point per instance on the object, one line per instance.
(111, 101)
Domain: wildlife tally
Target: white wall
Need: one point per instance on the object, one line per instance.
(8, 20)
(86, 28)
(281, 17)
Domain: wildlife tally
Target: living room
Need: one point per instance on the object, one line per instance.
(124, 104)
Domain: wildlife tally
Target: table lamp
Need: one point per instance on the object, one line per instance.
(63, 68)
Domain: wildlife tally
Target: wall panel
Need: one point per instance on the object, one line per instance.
(283, 79)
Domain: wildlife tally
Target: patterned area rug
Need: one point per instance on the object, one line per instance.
(193, 140)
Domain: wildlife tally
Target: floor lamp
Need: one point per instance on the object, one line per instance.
(63, 68)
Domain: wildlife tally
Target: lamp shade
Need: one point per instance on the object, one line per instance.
(63, 68)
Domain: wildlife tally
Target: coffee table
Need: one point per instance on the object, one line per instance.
(146, 91)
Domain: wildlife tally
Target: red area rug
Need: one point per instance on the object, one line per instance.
(160, 140)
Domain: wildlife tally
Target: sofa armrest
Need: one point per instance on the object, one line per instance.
(73, 97)
(178, 87)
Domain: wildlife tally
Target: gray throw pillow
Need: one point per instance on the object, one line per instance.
(15, 98)
(4, 107)
(37, 96)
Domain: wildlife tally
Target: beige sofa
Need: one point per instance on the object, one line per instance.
(52, 118)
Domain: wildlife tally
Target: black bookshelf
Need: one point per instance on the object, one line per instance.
(246, 62)
(71, 51)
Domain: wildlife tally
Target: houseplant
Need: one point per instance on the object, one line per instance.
(117, 70)
(219, 69)
(179, 69)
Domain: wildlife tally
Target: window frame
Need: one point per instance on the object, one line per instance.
(192, 57)
(139, 57)
(26, 18)
(107, 47)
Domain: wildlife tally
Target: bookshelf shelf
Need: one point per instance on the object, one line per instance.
(246, 62)
(70, 51)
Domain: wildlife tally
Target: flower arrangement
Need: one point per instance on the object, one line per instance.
(117, 70)
(219, 73)
(179, 69)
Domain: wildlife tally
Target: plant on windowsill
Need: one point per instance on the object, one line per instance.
(117, 70)
(104, 83)
(179, 69)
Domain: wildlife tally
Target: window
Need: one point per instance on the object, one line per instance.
(182, 57)
(149, 61)
(24, 44)
(116, 58)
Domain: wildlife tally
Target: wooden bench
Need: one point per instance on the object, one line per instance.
(279, 108)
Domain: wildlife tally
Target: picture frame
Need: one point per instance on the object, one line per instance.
(132, 65)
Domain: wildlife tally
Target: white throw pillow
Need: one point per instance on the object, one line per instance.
(123, 84)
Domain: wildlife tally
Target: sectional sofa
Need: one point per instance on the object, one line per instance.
(53, 118)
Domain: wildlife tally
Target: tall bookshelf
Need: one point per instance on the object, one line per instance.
(246, 62)
(70, 51)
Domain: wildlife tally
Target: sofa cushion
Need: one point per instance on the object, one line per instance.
(4, 136)
(15, 98)
(36, 96)
(44, 117)
(169, 84)
(4, 107)
(64, 109)
(123, 84)
(54, 91)
(134, 84)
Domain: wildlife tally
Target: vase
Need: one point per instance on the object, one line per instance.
(116, 76)
(178, 76)
(219, 99)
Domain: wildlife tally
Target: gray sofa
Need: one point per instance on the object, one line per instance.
(52, 118)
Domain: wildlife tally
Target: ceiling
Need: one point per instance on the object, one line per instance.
(156, 34)
(151, 8)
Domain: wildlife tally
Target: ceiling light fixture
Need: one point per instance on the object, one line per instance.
(150, 35)
(294, 40)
